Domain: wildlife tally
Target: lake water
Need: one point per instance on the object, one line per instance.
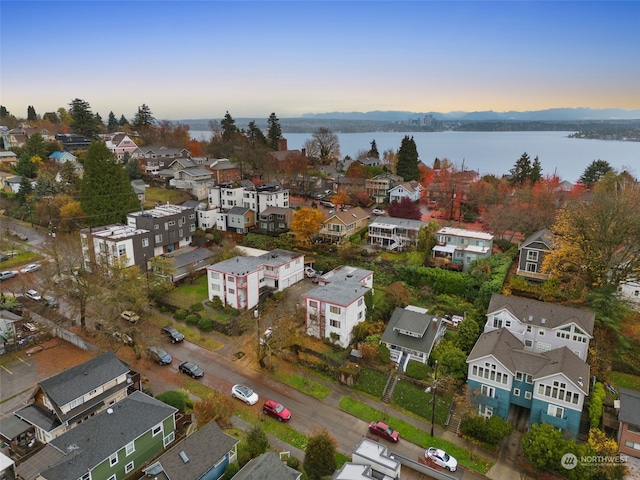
(491, 152)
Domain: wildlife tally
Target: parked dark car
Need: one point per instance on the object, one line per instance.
(385, 431)
(276, 410)
(191, 369)
(159, 355)
(172, 334)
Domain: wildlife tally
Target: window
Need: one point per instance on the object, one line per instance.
(129, 449)
(531, 267)
(334, 323)
(529, 379)
(168, 439)
(112, 477)
(86, 476)
(516, 392)
(214, 287)
(507, 323)
(497, 322)
(360, 301)
(555, 411)
(313, 304)
(156, 430)
(231, 291)
(214, 275)
(529, 329)
(172, 223)
(156, 226)
(75, 403)
(334, 309)
(528, 343)
(519, 376)
(158, 238)
(231, 279)
(485, 411)
(488, 391)
(113, 459)
(128, 467)
(633, 428)
(527, 395)
(541, 332)
(145, 242)
(630, 444)
(532, 255)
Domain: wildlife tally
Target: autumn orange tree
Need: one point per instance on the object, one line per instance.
(341, 198)
(306, 223)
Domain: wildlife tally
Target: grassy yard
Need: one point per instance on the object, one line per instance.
(188, 294)
(625, 380)
(303, 384)
(409, 397)
(415, 435)
(165, 195)
(371, 382)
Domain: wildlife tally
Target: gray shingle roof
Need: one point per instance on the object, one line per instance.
(278, 257)
(76, 381)
(204, 448)
(542, 237)
(553, 315)
(407, 320)
(106, 433)
(339, 292)
(629, 406)
(267, 466)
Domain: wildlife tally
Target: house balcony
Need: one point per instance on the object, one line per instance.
(561, 423)
(532, 275)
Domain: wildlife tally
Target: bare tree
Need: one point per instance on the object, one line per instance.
(324, 147)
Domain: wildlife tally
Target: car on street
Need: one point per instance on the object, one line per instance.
(245, 394)
(20, 235)
(33, 295)
(328, 204)
(122, 337)
(383, 430)
(191, 369)
(130, 316)
(377, 211)
(32, 267)
(7, 274)
(276, 410)
(159, 355)
(172, 334)
(441, 458)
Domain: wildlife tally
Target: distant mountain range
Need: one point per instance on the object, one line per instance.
(552, 115)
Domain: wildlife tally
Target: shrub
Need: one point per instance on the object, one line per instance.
(216, 302)
(196, 307)
(243, 457)
(595, 405)
(205, 324)
(489, 431)
(192, 319)
(230, 471)
(385, 354)
(174, 398)
(418, 370)
(293, 462)
(180, 314)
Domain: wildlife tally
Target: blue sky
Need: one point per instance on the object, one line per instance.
(198, 59)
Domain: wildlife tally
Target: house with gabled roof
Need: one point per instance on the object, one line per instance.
(202, 455)
(8, 158)
(269, 466)
(108, 446)
(379, 186)
(341, 224)
(240, 281)
(225, 171)
(394, 233)
(505, 377)
(119, 143)
(531, 255)
(542, 326)
(411, 190)
(411, 334)
(629, 418)
(274, 220)
(240, 219)
(337, 304)
(64, 401)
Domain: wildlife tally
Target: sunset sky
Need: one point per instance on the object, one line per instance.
(198, 59)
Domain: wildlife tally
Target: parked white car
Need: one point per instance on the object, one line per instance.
(377, 211)
(32, 267)
(309, 272)
(441, 458)
(245, 394)
(34, 295)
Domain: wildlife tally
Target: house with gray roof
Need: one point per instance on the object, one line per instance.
(462, 246)
(411, 190)
(240, 219)
(240, 281)
(274, 220)
(542, 326)
(531, 255)
(394, 233)
(629, 418)
(337, 304)
(110, 445)
(202, 455)
(411, 334)
(549, 386)
(64, 401)
(267, 466)
(187, 261)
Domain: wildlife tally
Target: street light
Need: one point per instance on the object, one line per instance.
(433, 399)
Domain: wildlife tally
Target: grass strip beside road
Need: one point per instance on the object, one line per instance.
(416, 435)
(303, 384)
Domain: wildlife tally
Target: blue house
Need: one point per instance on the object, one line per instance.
(507, 378)
(203, 455)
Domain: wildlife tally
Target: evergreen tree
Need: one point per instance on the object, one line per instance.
(144, 118)
(521, 171)
(51, 117)
(134, 172)
(274, 131)
(26, 167)
(594, 172)
(373, 151)
(35, 146)
(407, 166)
(31, 114)
(123, 121)
(320, 456)
(536, 171)
(24, 190)
(229, 129)
(69, 179)
(106, 195)
(255, 135)
(99, 122)
(112, 123)
(257, 441)
(83, 121)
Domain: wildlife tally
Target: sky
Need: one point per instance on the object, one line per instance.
(200, 59)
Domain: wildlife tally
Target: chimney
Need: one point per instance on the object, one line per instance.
(282, 145)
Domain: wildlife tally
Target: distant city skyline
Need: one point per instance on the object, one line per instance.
(199, 59)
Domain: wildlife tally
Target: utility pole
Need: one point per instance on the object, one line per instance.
(433, 399)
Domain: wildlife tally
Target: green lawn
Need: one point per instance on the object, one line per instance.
(164, 195)
(189, 294)
(415, 435)
(626, 380)
(371, 382)
(303, 384)
(416, 400)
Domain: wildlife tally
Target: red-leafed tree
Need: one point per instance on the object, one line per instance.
(405, 208)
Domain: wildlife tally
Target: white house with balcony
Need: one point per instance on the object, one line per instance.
(462, 246)
(337, 304)
(245, 194)
(411, 190)
(394, 233)
(239, 282)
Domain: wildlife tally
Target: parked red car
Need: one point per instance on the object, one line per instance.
(384, 431)
(276, 410)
